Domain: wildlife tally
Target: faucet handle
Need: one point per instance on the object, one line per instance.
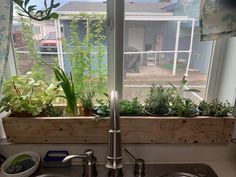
(70, 157)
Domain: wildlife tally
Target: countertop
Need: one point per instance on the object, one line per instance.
(222, 169)
(222, 158)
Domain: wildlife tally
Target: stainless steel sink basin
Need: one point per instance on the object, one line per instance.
(52, 175)
(179, 174)
(151, 170)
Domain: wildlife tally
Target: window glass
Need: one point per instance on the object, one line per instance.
(162, 45)
(76, 42)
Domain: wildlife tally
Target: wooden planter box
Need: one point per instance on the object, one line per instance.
(134, 129)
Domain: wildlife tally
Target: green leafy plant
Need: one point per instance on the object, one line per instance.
(179, 105)
(38, 15)
(179, 91)
(53, 111)
(157, 101)
(215, 108)
(183, 107)
(67, 85)
(86, 100)
(99, 38)
(24, 94)
(131, 107)
(86, 53)
(102, 108)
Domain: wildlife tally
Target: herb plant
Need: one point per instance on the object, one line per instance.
(179, 91)
(215, 108)
(86, 100)
(102, 109)
(157, 101)
(24, 94)
(183, 107)
(130, 107)
(52, 111)
(179, 105)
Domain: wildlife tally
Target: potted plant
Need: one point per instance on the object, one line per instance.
(102, 107)
(215, 108)
(86, 100)
(157, 101)
(131, 107)
(183, 107)
(24, 96)
(67, 84)
(179, 105)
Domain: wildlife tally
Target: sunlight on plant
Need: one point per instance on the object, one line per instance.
(24, 94)
(86, 55)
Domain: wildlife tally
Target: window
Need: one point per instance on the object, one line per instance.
(162, 44)
(76, 41)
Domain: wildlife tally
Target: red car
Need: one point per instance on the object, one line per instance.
(49, 43)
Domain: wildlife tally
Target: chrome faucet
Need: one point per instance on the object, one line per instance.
(89, 163)
(114, 157)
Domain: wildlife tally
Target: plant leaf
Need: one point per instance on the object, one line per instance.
(191, 90)
(54, 15)
(31, 8)
(26, 2)
(56, 5)
(174, 87)
(19, 2)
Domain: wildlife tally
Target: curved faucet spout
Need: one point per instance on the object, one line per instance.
(114, 158)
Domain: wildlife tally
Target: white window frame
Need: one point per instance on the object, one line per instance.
(215, 69)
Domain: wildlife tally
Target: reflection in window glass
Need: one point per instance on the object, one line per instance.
(162, 44)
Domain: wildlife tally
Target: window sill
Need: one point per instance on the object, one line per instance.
(206, 130)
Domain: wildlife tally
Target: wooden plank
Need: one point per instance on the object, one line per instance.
(228, 130)
(134, 130)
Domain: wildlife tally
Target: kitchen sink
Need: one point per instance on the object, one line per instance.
(52, 175)
(151, 170)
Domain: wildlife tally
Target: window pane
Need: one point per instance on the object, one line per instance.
(162, 44)
(76, 42)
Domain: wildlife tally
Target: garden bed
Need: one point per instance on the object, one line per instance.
(135, 129)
